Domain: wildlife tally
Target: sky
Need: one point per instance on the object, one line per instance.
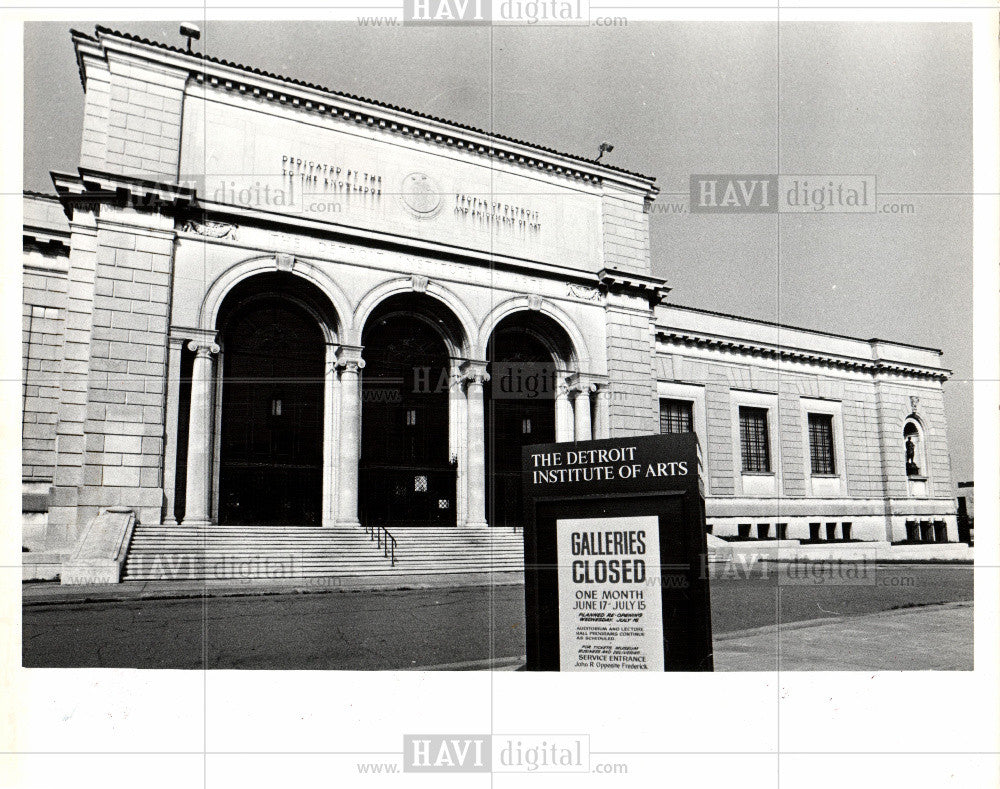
(675, 99)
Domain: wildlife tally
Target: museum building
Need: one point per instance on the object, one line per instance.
(263, 304)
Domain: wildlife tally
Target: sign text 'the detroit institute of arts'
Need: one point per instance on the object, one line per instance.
(604, 519)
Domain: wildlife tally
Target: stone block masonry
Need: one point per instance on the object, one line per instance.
(132, 118)
(625, 230)
(631, 353)
(125, 397)
(42, 351)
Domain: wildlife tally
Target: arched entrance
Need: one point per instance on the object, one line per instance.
(526, 354)
(407, 473)
(271, 436)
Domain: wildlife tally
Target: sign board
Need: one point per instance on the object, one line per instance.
(615, 556)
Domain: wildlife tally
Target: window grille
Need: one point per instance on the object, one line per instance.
(676, 416)
(754, 446)
(821, 443)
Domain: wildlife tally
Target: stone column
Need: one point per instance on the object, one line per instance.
(200, 438)
(475, 376)
(350, 363)
(458, 429)
(327, 513)
(581, 411)
(564, 412)
(602, 428)
(170, 433)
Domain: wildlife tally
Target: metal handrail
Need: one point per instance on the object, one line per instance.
(384, 540)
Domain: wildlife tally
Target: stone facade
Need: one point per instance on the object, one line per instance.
(869, 390)
(353, 205)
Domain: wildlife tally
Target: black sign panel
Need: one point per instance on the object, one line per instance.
(615, 556)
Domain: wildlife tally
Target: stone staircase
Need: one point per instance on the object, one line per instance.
(252, 553)
(441, 549)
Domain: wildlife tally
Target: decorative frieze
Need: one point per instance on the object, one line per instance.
(209, 229)
(584, 292)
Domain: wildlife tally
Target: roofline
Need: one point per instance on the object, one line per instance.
(198, 65)
(745, 319)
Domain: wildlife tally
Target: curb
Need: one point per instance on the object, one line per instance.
(515, 663)
(344, 585)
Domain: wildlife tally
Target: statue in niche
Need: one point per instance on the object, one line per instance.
(912, 469)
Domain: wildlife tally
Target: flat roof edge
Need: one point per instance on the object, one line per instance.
(791, 327)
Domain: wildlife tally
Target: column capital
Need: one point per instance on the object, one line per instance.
(203, 347)
(603, 390)
(584, 382)
(473, 371)
(349, 358)
(565, 382)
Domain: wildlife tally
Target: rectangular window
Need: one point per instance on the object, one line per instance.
(821, 443)
(754, 449)
(676, 416)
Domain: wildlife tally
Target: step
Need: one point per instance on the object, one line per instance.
(193, 553)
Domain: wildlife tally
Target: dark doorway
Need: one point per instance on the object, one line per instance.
(520, 400)
(271, 458)
(407, 475)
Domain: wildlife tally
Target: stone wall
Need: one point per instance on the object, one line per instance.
(873, 493)
(42, 349)
(631, 350)
(625, 228)
(125, 397)
(132, 117)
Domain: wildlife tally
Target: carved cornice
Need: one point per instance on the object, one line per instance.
(789, 354)
(47, 242)
(653, 289)
(257, 84)
(434, 131)
(93, 187)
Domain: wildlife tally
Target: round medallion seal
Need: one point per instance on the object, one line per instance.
(421, 194)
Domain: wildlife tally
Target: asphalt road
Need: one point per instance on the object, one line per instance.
(408, 629)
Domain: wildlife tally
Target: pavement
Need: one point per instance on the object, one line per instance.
(891, 641)
(925, 638)
(892, 617)
(53, 593)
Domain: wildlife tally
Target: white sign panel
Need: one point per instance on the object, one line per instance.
(610, 610)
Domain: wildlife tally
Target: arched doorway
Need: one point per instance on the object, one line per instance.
(526, 353)
(407, 474)
(271, 435)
